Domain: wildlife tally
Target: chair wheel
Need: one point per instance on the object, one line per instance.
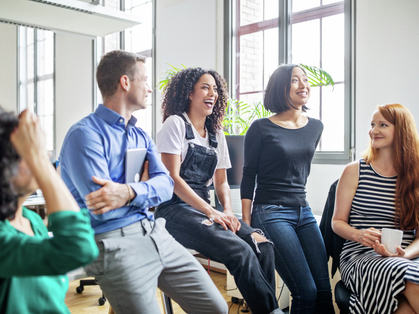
(102, 301)
(79, 289)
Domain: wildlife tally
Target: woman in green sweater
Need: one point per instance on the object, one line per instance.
(32, 264)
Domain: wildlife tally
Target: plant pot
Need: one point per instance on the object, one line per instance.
(235, 144)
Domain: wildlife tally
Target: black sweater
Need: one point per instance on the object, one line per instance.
(280, 160)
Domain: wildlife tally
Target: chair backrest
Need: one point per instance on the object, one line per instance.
(332, 241)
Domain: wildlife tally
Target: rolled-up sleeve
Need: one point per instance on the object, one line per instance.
(159, 188)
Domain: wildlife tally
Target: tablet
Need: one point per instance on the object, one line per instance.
(134, 161)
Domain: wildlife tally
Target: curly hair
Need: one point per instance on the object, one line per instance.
(9, 165)
(176, 96)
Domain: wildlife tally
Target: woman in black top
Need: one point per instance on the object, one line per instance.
(278, 151)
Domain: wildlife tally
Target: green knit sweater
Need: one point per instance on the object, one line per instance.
(33, 269)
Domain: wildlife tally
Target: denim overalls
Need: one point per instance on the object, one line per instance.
(251, 263)
(199, 164)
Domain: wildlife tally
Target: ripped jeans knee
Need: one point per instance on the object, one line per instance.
(208, 222)
(257, 238)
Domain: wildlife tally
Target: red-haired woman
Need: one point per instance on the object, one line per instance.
(382, 191)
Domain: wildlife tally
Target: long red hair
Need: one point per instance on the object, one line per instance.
(406, 163)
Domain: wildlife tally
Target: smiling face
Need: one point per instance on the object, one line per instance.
(204, 96)
(300, 88)
(381, 132)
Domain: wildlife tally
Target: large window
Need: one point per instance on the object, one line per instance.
(138, 39)
(312, 32)
(36, 77)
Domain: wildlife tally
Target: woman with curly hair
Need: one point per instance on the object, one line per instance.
(381, 191)
(194, 150)
(33, 265)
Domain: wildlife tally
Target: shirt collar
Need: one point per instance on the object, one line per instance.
(111, 117)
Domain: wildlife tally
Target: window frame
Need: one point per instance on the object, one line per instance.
(149, 53)
(284, 23)
(36, 78)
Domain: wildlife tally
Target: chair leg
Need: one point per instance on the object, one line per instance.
(167, 304)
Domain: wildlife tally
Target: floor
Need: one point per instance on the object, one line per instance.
(87, 302)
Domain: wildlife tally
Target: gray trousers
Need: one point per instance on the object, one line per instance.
(135, 260)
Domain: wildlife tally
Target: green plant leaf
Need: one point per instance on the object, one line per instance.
(162, 84)
(317, 76)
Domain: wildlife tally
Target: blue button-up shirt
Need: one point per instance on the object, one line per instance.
(96, 146)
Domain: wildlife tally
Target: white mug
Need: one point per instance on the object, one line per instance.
(391, 239)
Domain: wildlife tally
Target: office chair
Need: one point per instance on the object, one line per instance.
(90, 282)
(334, 244)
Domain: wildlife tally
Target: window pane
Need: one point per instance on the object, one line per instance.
(333, 46)
(30, 53)
(306, 43)
(251, 62)
(324, 2)
(30, 100)
(140, 38)
(251, 11)
(45, 103)
(301, 5)
(149, 67)
(333, 118)
(113, 4)
(111, 42)
(144, 119)
(251, 100)
(47, 124)
(45, 54)
(271, 9)
(135, 3)
(270, 53)
(314, 103)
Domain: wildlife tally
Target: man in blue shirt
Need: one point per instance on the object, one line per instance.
(137, 254)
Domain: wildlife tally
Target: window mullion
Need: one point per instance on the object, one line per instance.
(284, 31)
(35, 70)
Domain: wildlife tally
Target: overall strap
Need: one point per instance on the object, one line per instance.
(188, 128)
(211, 136)
(189, 133)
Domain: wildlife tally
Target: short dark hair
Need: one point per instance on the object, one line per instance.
(277, 94)
(9, 166)
(176, 97)
(112, 67)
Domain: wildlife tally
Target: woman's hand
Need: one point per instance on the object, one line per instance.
(368, 237)
(226, 221)
(381, 249)
(233, 219)
(28, 138)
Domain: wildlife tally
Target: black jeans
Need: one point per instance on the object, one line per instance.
(251, 263)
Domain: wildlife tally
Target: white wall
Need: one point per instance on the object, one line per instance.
(387, 42)
(8, 67)
(73, 82)
(188, 32)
